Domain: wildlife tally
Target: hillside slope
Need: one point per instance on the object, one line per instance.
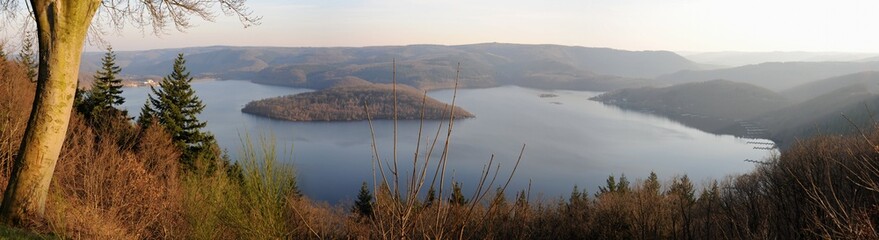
(824, 114)
(421, 66)
(817, 88)
(775, 76)
(713, 106)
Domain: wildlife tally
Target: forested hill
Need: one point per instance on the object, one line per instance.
(776, 76)
(420, 66)
(346, 103)
(745, 110)
(713, 106)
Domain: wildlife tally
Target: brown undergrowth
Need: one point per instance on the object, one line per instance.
(115, 180)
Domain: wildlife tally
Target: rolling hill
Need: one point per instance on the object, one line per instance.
(736, 59)
(713, 106)
(420, 66)
(817, 88)
(775, 76)
(824, 114)
(745, 110)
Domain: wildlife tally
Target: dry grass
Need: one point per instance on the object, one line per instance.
(117, 181)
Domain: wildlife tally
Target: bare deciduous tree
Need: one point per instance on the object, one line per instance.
(62, 26)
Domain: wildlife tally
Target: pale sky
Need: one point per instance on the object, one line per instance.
(678, 25)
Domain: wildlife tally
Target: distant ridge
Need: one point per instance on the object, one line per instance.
(420, 66)
(712, 106)
(775, 76)
(869, 79)
(737, 59)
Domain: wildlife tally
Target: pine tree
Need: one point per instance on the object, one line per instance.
(611, 186)
(431, 196)
(623, 184)
(175, 106)
(146, 115)
(26, 57)
(651, 185)
(457, 197)
(363, 204)
(107, 88)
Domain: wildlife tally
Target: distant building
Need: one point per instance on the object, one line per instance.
(150, 82)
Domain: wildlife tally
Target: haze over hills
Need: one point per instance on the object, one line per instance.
(421, 66)
(712, 106)
(825, 113)
(746, 110)
(771, 94)
(736, 59)
(775, 76)
(825, 86)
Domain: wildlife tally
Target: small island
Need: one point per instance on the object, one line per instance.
(345, 103)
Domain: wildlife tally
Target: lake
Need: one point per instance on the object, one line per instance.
(569, 139)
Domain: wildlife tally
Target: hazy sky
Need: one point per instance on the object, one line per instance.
(680, 25)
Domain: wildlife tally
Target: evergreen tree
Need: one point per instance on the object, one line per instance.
(175, 106)
(652, 184)
(611, 186)
(431, 196)
(457, 197)
(623, 184)
(500, 200)
(578, 197)
(27, 58)
(146, 115)
(363, 204)
(107, 88)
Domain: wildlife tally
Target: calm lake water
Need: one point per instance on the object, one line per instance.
(570, 140)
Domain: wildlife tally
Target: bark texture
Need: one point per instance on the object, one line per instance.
(61, 30)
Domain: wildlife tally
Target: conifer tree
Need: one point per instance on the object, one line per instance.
(146, 115)
(107, 87)
(26, 57)
(363, 204)
(457, 197)
(431, 196)
(611, 186)
(651, 185)
(176, 107)
(623, 184)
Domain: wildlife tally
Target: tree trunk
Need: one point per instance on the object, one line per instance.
(62, 26)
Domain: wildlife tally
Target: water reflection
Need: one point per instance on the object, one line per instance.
(570, 140)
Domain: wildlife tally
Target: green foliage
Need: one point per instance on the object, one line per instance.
(105, 93)
(623, 185)
(176, 107)
(578, 197)
(246, 200)
(264, 191)
(457, 197)
(363, 204)
(27, 57)
(107, 87)
(651, 185)
(682, 187)
(431, 196)
(611, 186)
